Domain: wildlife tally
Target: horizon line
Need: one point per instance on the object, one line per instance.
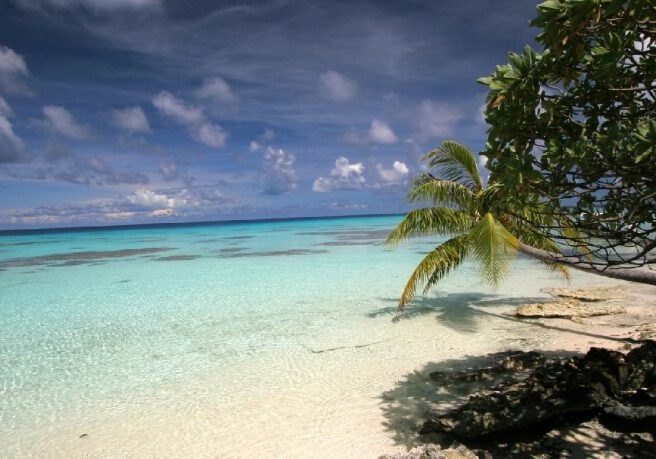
(72, 229)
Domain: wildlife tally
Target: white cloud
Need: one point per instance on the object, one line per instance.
(482, 160)
(280, 176)
(254, 146)
(193, 118)
(13, 71)
(149, 199)
(381, 132)
(11, 146)
(177, 109)
(481, 113)
(268, 134)
(60, 120)
(335, 86)
(217, 89)
(437, 119)
(142, 203)
(131, 119)
(397, 174)
(210, 134)
(5, 109)
(344, 176)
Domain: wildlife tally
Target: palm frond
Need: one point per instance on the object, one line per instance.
(442, 193)
(430, 221)
(437, 264)
(457, 163)
(493, 248)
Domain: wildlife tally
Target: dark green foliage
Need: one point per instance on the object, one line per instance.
(573, 128)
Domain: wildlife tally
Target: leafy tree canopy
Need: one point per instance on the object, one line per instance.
(573, 128)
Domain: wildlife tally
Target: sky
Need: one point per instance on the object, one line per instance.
(117, 112)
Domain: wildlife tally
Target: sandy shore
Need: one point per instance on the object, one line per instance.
(349, 397)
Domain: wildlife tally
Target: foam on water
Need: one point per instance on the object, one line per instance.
(222, 340)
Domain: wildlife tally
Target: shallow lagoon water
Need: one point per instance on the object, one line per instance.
(223, 340)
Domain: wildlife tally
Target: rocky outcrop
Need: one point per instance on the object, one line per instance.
(567, 309)
(583, 294)
(607, 383)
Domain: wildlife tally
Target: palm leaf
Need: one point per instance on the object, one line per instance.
(442, 192)
(493, 248)
(437, 264)
(430, 221)
(457, 163)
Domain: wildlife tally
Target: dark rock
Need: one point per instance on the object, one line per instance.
(643, 361)
(630, 418)
(511, 363)
(554, 390)
(645, 396)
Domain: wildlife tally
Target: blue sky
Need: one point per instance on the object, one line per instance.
(133, 111)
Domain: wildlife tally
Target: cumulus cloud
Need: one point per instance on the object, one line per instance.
(151, 200)
(267, 136)
(5, 109)
(13, 72)
(397, 174)
(177, 109)
(344, 176)
(218, 90)
(12, 148)
(437, 119)
(131, 119)
(60, 120)
(210, 134)
(379, 132)
(254, 146)
(141, 203)
(335, 86)
(192, 117)
(280, 176)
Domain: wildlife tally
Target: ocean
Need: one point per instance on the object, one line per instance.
(222, 340)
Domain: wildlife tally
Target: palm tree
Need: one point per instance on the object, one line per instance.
(473, 218)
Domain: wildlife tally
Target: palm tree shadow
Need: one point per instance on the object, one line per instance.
(454, 310)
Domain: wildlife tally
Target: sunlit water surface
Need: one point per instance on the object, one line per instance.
(223, 340)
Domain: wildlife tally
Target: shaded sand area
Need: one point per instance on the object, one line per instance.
(346, 397)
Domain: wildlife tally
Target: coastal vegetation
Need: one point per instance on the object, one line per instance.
(474, 218)
(571, 151)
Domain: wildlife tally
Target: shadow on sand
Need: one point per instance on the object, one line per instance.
(461, 312)
(407, 405)
(416, 397)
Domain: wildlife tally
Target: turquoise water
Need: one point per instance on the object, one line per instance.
(106, 324)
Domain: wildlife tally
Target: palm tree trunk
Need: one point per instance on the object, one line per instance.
(642, 275)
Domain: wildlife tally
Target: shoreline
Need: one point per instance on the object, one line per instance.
(361, 399)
